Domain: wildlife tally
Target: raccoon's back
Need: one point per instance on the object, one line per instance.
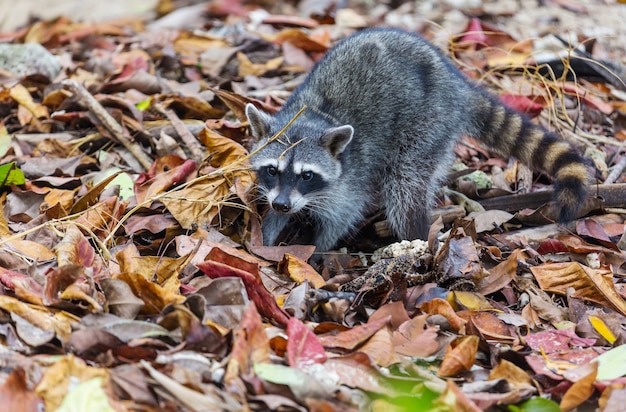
(383, 77)
(403, 96)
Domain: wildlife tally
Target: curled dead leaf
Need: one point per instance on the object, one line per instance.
(460, 356)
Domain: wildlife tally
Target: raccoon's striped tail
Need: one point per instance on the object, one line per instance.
(510, 133)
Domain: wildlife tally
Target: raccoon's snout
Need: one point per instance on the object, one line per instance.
(283, 207)
(281, 203)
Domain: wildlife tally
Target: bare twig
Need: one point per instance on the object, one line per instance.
(86, 99)
(617, 171)
(197, 152)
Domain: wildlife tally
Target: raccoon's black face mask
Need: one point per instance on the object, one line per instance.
(294, 169)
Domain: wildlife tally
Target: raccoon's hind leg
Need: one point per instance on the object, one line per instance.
(407, 206)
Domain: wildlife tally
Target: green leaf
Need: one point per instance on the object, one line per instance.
(10, 174)
(612, 363)
(5, 140)
(144, 104)
(86, 396)
(280, 374)
(536, 405)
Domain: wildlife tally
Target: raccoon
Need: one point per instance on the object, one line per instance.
(384, 109)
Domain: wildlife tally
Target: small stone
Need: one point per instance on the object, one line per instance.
(415, 247)
(28, 59)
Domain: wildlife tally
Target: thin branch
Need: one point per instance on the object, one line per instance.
(86, 99)
(197, 152)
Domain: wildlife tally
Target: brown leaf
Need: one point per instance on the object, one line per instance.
(380, 348)
(62, 375)
(454, 399)
(197, 336)
(15, 396)
(250, 346)
(502, 274)
(301, 40)
(442, 307)
(592, 229)
(595, 285)
(416, 338)
(487, 326)
(88, 343)
(154, 297)
(25, 287)
(103, 216)
(460, 356)
(581, 390)
(357, 370)
(59, 323)
(120, 298)
(165, 173)
(57, 280)
(354, 337)
(91, 197)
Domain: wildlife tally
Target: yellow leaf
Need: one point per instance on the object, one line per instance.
(299, 271)
(59, 323)
(471, 300)
(21, 95)
(62, 375)
(155, 297)
(191, 45)
(65, 198)
(222, 150)
(246, 67)
(602, 329)
(77, 292)
(32, 250)
(513, 374)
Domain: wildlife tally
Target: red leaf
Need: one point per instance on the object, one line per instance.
(474, 33)
(589, 99)
(303, 347)
(57, 280)
(551, 246)
(263, 299)
(591, 228)
(522, 104)
(15, 396)
(352, 338)
(559, 341)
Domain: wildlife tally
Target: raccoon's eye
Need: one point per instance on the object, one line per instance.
(272, 170)
(308, 175)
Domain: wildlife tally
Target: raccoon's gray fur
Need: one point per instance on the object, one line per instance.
(384, 111)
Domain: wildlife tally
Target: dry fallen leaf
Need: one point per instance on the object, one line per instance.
(595, 285)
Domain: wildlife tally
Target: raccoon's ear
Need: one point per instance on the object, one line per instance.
(337, 138)
(259, 121)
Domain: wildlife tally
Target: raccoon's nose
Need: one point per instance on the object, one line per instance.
(281, 206)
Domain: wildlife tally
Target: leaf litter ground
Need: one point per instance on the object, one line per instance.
(131, 267)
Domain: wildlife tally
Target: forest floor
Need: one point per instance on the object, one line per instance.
(132, 271)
